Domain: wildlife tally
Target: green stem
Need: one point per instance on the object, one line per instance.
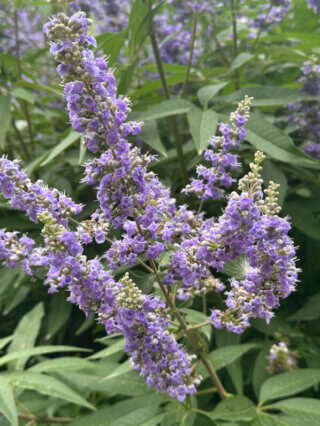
(197, 347)
(172, 120)
(193, 39)
(235, 39)
(38, 419)
(21, 140)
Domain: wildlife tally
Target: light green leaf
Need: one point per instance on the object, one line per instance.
(138, 416)
(240, 60)
(5, 114)
(23, 94)
(288, 383)
(4, 341)
(24, 336)
(208, 92)
(203, 125)
(236, 407)
(237, 267)
(165, 109)
(46, 385)
(120, 410)
(110, 350)
(226, 355)
(274, 142)
(303, 219)
(7, 405)
(149, 133)
(119, 371)
(39, 350)
(111, 45)
(267, 96)
(62, 146)
(310, 311)
(306, 409)
(63, 363)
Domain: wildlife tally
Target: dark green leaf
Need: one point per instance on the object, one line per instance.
(5, 114)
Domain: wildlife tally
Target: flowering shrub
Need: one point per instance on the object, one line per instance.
(171, 240)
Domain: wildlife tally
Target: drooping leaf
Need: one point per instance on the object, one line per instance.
(25, 335)
(111, 45)
(274, 142)
(241, 59)
(63, 363)
(208, 92)
(45, 384)
(24, 354)
(150, 135)
(7, 404)
(166, 108)
(288, 383)
(202, 126)
(110, 350)
(306, 409)
(24, 94)
(62, 146)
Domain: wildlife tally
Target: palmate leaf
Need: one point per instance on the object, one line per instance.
(305, 409)
(203, 125)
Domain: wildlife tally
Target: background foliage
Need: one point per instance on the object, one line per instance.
(54, 361)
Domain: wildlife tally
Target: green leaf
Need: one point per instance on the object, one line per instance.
(5, 114)
(46, 385)
(203, 125)
(288, 383)
(240, 60)
(303, 219)
(271, 172)
(267, 96)
(208, 92)
(40, 350)
(236, 407)
(111, 45)
(119, 371)
(309, 311)
(149, 133)
(237, 267)
(4, 341)
(110, 350)
(7, 405)
(120, 410)
(306, 409)
(166, 109)
(23, 94)
(63, 363)
(58, 313)
(62, 146)
(274, 142)
(260, 373)
(137, 417)
(226, 355)
(24, 336)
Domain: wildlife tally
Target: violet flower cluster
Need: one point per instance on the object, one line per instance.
(180, 247)
(314, 5)
(270, 14)
(306, 114)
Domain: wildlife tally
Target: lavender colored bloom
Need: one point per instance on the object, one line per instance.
(270, 14)
(281, 358)
(306, 114)
(314, 5)
(212, 180)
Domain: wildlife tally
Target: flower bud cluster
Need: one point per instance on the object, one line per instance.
(212, 180)
(281, 358)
